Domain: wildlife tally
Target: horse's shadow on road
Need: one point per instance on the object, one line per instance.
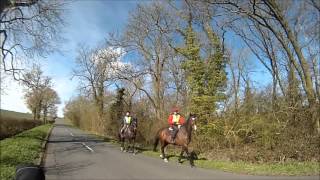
(173, 155)
(184, 157)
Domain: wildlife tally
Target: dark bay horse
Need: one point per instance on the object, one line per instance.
(183, 138)
(130, 135)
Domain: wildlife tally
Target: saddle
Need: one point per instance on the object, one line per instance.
(127, 127)
(172, 129)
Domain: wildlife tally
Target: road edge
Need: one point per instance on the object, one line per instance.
(40, 160)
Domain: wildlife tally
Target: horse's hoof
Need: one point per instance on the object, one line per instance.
(121, 149)
(161, 156)
(165, 160)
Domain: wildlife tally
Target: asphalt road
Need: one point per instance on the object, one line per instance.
(75, 154)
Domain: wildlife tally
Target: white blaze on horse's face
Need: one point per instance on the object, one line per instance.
(194, 125)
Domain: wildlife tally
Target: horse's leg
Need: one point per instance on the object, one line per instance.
(122, 143)
(162, 150)
(133, 146)
(125, 145)
(163, 146)
(190, 158)
(181, 154)
(130, 145)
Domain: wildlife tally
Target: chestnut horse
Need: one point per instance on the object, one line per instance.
(183, 138)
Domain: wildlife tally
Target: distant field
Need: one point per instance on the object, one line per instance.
(13, 114)
(12, 123)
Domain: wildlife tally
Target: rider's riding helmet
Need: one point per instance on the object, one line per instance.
(175, 110)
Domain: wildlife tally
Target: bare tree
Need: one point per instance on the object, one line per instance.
(36, 84)
(28, 27)
(176, 79)
(95, 74)
(49, 102)
(280, 22)
(146, 34)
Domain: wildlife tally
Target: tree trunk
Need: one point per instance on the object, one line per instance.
(34, 113)
(38, 114)
(100, 105)
(45, 113)
(303, 62)
(316, 76)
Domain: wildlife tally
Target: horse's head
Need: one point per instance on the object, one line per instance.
(192, 121)
(134, 124)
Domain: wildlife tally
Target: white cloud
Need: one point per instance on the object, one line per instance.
(65, 89)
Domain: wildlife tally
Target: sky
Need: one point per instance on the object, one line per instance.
(87, 22)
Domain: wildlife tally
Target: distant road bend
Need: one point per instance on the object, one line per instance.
(75, 154)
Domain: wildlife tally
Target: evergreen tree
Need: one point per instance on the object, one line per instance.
(116, 111)
(206, 77)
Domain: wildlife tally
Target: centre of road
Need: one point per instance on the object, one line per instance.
(86, 146)
(90, 149)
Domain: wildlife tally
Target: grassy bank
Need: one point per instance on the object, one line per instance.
(16, 115)
(22, 148)
(288, 168)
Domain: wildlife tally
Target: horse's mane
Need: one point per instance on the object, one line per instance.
(134, 122)
(187, 121)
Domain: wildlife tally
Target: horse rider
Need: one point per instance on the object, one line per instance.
(126, 121)
(175, 121)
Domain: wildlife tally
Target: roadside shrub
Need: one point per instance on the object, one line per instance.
(10, 126)
(258, 134)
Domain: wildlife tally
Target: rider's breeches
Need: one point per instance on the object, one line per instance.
(175, 130)
(124, 127)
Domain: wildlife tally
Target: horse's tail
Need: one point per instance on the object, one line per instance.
(156, 141)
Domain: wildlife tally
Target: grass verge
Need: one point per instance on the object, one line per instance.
(282, 169)
(24, 148)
